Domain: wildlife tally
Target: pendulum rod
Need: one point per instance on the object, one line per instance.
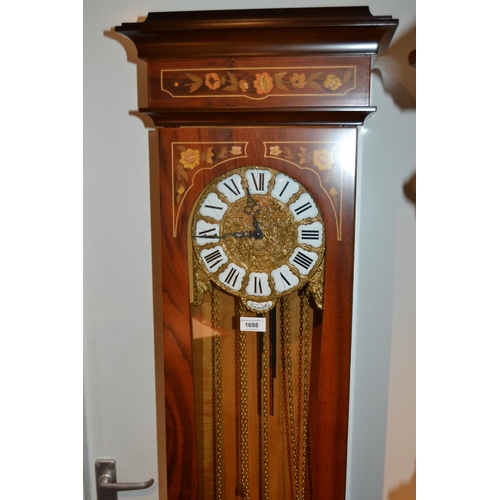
(216, 394)
(263, 420)
(272, 356)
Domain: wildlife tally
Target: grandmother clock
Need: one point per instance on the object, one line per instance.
(257, 114)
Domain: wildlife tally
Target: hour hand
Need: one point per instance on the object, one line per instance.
(257, 232)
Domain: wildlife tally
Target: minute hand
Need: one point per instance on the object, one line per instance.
(235, 234)
(253, 208)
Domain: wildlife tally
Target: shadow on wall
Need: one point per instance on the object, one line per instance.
(397, 73)
(405, 491)
(396, 70)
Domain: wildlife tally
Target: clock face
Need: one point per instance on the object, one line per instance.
(258, 233)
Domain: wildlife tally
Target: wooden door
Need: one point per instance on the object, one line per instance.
(323, 159)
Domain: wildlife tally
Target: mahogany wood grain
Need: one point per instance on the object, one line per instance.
(179, 392)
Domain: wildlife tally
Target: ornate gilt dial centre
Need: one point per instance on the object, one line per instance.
(279, 235)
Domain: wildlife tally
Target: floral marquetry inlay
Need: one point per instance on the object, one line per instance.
(187, 158)
(255, 83)
(319, 157)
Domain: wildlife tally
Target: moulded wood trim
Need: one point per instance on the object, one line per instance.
(349, 116)
(264, 32)
(244, 18)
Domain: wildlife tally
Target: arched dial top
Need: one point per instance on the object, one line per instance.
(259, 234)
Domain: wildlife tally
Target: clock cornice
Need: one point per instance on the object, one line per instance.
(261, 32)
(267, 67)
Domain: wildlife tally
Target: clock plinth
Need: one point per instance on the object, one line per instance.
(257, 115)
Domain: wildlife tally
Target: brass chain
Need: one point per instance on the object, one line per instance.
(245, 479)
(216, 393)
(288, 344)
(283, 458)
(237, 379)
(306, 452)
(302, 417)
(285, 385)
(300, 367)
(297, 420)
(309, 460)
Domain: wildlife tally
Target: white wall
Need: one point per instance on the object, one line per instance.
(119, 392)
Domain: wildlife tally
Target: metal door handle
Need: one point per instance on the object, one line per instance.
(107, 487)
(106, 484)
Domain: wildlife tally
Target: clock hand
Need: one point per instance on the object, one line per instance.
(257, 233)
(242, 234)
(250, 202)
(235, 234)
(253, 208)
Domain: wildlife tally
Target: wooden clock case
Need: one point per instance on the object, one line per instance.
(224, 89)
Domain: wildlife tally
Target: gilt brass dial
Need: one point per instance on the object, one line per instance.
(259, 234)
